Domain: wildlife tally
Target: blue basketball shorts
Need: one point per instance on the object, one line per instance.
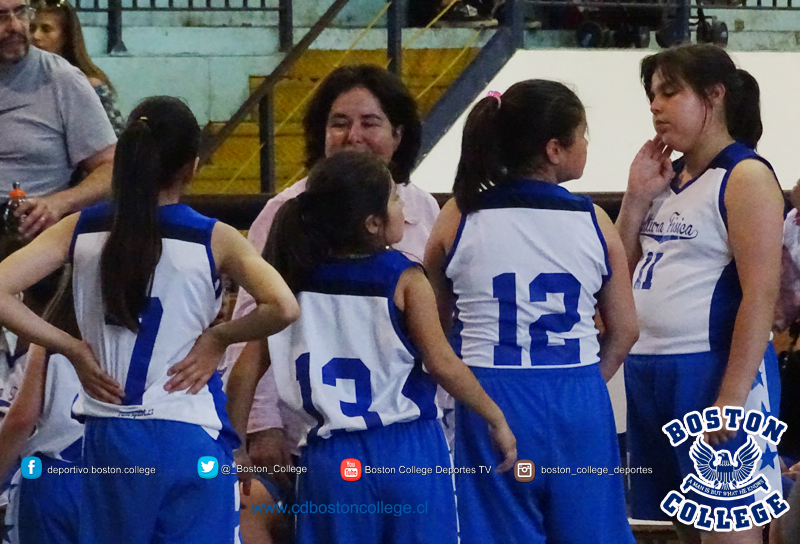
(661, 388)
(172, 506)
(402, 503)
(44, 510)
(564, 424)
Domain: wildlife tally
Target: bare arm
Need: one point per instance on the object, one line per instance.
(755, 229)
(46, 211)
(21, 419)
(415, 297)
(276, 308)
(439, 245)
(244, 378)
(245, 375)
(26, 267)
(650, 173)
(615, 303)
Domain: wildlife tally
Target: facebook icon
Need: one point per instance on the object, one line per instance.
(31, 468)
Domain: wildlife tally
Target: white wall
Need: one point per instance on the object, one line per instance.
(619, 117)
(619, 123)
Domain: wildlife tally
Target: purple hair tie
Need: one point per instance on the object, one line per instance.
(496, 95)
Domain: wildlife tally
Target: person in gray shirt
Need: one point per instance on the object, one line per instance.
(51, 122)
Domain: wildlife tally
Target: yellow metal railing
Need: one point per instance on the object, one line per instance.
(299, 174)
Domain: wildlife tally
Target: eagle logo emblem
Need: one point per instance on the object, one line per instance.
(717, 469)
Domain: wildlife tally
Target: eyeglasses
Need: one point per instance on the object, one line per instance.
(22, 13)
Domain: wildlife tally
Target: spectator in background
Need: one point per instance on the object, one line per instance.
(361, 108)
(57, 29)
(58, 125)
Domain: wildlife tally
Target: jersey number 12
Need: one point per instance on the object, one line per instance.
(507, 352)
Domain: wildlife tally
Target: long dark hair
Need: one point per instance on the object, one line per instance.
(703, 66)
(161, 137)
(507, 136)
(329, 218)
(395, 100)
(74, 45)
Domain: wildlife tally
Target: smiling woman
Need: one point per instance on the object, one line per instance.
(363, 108)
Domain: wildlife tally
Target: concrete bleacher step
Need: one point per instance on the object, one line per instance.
(421, 71)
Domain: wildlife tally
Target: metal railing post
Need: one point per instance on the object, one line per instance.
(395, 19)
(114, 28)
(516, 22)
(285, 25)
(266, 137)
(682, 14)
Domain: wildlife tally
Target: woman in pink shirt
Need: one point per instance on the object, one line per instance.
(363, 108)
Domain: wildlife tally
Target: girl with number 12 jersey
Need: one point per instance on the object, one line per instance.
(519, 265)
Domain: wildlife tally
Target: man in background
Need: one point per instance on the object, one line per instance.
(52, 123)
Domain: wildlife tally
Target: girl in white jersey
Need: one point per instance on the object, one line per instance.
(146, 288)
(352, 365)
(703, 238)
(39, 424)
(522, 264)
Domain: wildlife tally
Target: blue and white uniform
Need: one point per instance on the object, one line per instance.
(12, 368)
(46, 509)
(525, 270)
(154, 429)
(348, 366)
(687, 295)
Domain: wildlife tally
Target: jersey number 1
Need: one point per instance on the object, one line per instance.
(136, 381)
(507, 352)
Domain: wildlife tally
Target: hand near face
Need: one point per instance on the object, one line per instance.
(651, 170)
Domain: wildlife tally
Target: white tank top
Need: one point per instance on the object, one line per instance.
(685, 285)
(347, 363)
(525, 269)
(184, 300)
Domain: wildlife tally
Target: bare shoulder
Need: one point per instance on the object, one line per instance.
(752, 175)
(446, 227)
(603, 220)
(411, 280)
(226, 240)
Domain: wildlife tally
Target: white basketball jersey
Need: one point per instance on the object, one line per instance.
(58, 434)
(347, 364)
(686, 286)
(184, 300)
(525, 269)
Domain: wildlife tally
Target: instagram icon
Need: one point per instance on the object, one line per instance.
(350, 470)
(524, 470)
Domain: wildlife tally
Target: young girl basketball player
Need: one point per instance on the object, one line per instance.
(703, 238)
(45, 509)
(352, 365)
(523, 264)
(146, 287)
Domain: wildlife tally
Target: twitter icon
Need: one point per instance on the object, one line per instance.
(207, 467)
